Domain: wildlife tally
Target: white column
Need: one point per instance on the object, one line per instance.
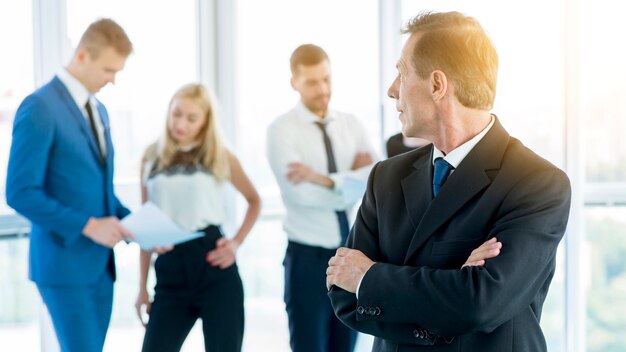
(49, 38)
(575, 168)
(50, 49)
(217, 69)
(390, 42)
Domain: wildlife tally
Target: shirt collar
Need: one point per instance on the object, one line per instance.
(457, 155)
(307, 116)
(77, 90)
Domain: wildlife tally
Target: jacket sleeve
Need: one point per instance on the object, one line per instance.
(364, 237)
(33, 136)
(531, 222)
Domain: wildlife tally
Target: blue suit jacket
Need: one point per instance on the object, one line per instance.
(56, 180)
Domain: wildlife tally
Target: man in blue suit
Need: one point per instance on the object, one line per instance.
(60, 177)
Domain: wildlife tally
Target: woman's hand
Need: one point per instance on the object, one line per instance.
(143, 299)
(224, 254)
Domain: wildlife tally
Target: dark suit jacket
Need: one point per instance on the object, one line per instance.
(56, 180)
(416, 297)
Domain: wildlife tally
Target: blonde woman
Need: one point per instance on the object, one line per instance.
(184, 174)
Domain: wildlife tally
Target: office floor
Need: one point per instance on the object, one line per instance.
(266, 331)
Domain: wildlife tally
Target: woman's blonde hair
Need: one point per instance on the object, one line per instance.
(210, 151)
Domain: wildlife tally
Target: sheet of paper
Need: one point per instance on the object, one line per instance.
(353, 189)
(151, 228)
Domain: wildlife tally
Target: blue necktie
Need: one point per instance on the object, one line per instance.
(342, 218)
(442, 170)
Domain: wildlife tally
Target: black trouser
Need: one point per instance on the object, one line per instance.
(313, 325)
(188, 288)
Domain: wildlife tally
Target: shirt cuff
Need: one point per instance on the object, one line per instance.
(338, 182)
(359, 286)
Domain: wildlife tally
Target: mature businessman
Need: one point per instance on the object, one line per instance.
(60, 177)
(424, 211)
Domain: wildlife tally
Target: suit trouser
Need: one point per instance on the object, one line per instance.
(80, 314)
(313, 325)
(189, 288)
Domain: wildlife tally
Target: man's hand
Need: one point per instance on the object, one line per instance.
(298, 172)
(489, 249)
(106, 231)
(162, 249)
(224, 254)
(143, 300)
(360, 160)
(346, 268)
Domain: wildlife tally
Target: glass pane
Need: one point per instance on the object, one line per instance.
(603, 87)
(164, 58)
(16, 72)
(19, 300)
(530, 112)
(605, 258)
(264, 92)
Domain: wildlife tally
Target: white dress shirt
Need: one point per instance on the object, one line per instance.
(294, 137)
(459, 153)
(80, 94)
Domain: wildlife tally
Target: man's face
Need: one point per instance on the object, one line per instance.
(98, 72)
(413, 95)
(313, 84)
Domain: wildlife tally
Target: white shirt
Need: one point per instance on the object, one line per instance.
(294, 137)
(80, 94)
(189, 195)
(457, 155)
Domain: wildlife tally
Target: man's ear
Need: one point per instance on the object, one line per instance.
(81, 55)
(439, 84)
(293, 82)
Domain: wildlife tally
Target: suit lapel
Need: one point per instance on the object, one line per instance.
(78, 116)
(416, 186)
(468, 179)
(104, 118)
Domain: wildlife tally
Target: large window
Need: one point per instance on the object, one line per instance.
(19, 306)
(603, 91)
(16, 72)
(605, 278)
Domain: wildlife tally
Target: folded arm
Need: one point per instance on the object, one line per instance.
(476, 298)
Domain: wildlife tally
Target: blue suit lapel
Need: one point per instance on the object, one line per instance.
(77, 115)
(104, 119)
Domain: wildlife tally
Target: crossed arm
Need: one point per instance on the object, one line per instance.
(348, 266)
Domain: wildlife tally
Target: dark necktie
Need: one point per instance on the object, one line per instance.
(342, 218)
(92, 122)
(442, 170)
